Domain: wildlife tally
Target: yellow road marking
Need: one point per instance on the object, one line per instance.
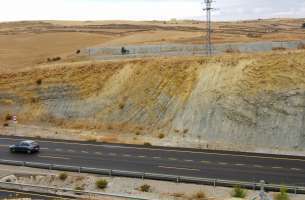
(55, 157)
(188, 169)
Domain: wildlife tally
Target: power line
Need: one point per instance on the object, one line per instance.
(208, 8)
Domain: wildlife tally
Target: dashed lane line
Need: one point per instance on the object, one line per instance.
(178, 168)
(239, 164)
(172, 159)
(54, 157)
(188, 160)
(126, 155)
(141, 156)
(295, 169)
(223, 163)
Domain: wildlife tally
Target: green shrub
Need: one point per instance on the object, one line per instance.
(161, 136)
(238, 192)
(63, 176)
(101, 184)
(39, 82)
(199, 195)
(8, 117)
(145, 188)
(282, 195)
(147, 144)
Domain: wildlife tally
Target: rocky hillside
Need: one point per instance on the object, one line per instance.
(240, 102)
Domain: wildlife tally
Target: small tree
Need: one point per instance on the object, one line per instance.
(63, 176)
(303, 25)
(282, 195)
(145, 188)
(238, 192)
(101, 184)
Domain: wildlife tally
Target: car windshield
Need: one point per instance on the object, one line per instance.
(24, 144)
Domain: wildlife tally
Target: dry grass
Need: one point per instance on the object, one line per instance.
(26, 44)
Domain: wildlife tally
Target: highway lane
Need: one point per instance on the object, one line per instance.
(278, 169)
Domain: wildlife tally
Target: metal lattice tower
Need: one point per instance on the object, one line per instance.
(208, 8)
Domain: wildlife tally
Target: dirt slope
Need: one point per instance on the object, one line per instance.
(239, 102)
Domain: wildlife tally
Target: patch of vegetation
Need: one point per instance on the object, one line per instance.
(121, 106)
(301, 46)
(5, 125)
(238, 192)
(283, 195)
(231, 50)
(39, 82)
(185, 131)
(63, 176)
(78, 51)
(161, 136)
(147, 144)
(8, 117)
(278, 49)
(303, 25)
(138, 133)
(101, 183)
(79, 189)
(54, 59)
(145, 188)
(199, 195)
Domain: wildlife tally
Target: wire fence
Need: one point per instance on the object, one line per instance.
(178, 49)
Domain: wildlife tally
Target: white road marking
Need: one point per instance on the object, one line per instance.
(58, 149)
(71, 151)
(98, 153)
(172, 158)
(188, 169)
(239, 164)
(188, 160)
(158, 149)
(141, 156)
(127, 155)
(277, 167)
(55, 157)
(295, 169)
(205, 161)
(257, 166)
(156, 158)
(222, 163)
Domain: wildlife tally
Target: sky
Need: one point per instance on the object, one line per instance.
(227, 10)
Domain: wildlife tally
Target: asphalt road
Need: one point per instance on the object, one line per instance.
(277, 169)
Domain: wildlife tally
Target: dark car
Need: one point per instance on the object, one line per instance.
(27, 146)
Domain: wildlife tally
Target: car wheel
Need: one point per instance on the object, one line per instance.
(29, 151)
(13, 150)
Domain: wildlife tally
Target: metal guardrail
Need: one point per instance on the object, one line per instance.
(65, 191)
(154, 176)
